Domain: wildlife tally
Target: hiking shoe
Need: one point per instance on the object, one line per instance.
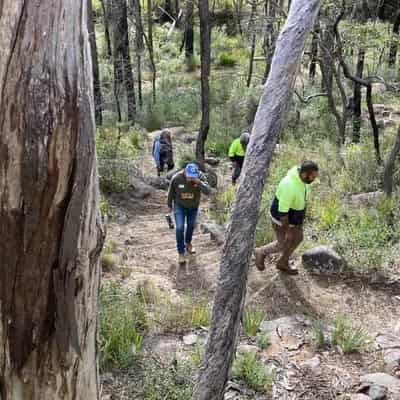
(260, 260)
(190, 249)
(181, 259)
(286, 268)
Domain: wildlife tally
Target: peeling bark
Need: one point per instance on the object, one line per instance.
(49, 223)
(240, 236)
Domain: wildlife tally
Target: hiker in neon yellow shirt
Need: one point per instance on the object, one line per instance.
(237, 152)
(287, 212)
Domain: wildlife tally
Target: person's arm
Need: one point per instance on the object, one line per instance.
(285, 203)
(171, 195)
(203, 185)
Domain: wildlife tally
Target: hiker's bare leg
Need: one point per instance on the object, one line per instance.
(274, 247)
(293, 239)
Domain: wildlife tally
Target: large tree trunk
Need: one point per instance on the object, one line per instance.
(239, 241)
(49, 222)
(357, 97)
(98, 98)
(205, 49)
(106, 28)
(390, 164)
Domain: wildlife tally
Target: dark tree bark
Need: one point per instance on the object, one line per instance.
(123, 76)
(240, 236)
(149, 42)
(137, 12)
(389, 166)
(106, 27)
(357, 97)
(253, 41)
(271, 36)
(314, 51)
(189, 32)
(205, 50)
(49, 221)
(98, 98)
(394, 44)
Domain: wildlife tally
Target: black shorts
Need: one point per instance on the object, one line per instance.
(296, 217)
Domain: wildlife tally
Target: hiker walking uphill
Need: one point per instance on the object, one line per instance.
(237, 152)
(287, 213)
(162, 152)
(184, 199)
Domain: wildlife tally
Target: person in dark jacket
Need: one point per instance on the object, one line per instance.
(163, 152)
(184, 199)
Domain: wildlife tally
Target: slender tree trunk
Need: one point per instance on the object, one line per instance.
(49, 222)
(150, 47)
(314, 51)
(239, 241)
(98, 98)
(394, 44)
(357, 97)
(253, 41)
(329, 44)
(205, 49)
(123, 75)
(189, 32)
(106, 28)
(270, 41)
(137, 11)
(389, 166)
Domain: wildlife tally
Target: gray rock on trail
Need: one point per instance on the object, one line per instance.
(212, 161)
(384, 380)
(217, 232)
(377, 392)
(390, 343)
(190, 340)
(366, 199)
(247, 348)
(323, 260)
(286, 325)
(139, 189)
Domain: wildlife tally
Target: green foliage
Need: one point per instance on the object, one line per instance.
(349, 337)
(196, 356)
(185, 158)
(252, 371)
(263, 341)
(318, 335)
(122, 326)
(153, 118)
(252, 319)
(105, 208)
(172, 382)
(201, 314)
(227, 60)
(108, 262)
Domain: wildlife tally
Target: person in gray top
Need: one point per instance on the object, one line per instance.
(184, 199)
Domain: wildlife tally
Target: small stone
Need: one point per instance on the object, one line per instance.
(323, 260)
(217, 232)
(247, 348)
(359, 396)
(312, 364)
(190, 340)
(212, 161)
(392, 360)
(286, 325)
(377, 392)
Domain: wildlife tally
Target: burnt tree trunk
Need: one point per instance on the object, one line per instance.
(394, 44)
(98, 98)
(137, 11)
(150, 46)
(314, 52)
(49, 221)
(253, 41)
(239, 242)
(123, 75)
(189, 32)
(205, 49)
(357, 97)
(106, 27)
(389, 166)
(270, 39)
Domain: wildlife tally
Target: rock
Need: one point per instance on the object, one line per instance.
(188, 138)
(157, 182)
(323, 260)
(392, 360)
(367, 199)
(387, 340)
(359, 396)
(211, 175)
(190, 340)
(212, 161)
(106, 378)
(285, 325)
(389, 382)
(139, 189)
(389, 123)
(217, 232)
(247, 348)
(397, 329)
(176, 130)
(377, 392)
(312, 364)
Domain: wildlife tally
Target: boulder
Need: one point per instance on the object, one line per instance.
(176, 131)
(366, 199)
(359, 396)
(377, 392)
(392, 360)
(287, 325)
(139, 189)
(190, 340)
(157, 182)
(323, 260)
(380, 380)
(247, 348)
(217, 232)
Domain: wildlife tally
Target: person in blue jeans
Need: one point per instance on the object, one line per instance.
(184, 199)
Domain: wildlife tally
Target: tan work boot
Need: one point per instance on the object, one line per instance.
(283, 265)
(260, 260)
(181, 259)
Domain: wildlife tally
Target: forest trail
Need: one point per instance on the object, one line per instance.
(146, 250)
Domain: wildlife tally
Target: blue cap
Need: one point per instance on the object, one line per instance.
(192, 170)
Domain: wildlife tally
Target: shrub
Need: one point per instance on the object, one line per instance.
(122, 326)
(252, 319)
(251, 370)
(263, 341)
(200, 315)
(318, 335)
(196, 355)
(153, 118)
(349, 337)
(227, 60)
(108, 262)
